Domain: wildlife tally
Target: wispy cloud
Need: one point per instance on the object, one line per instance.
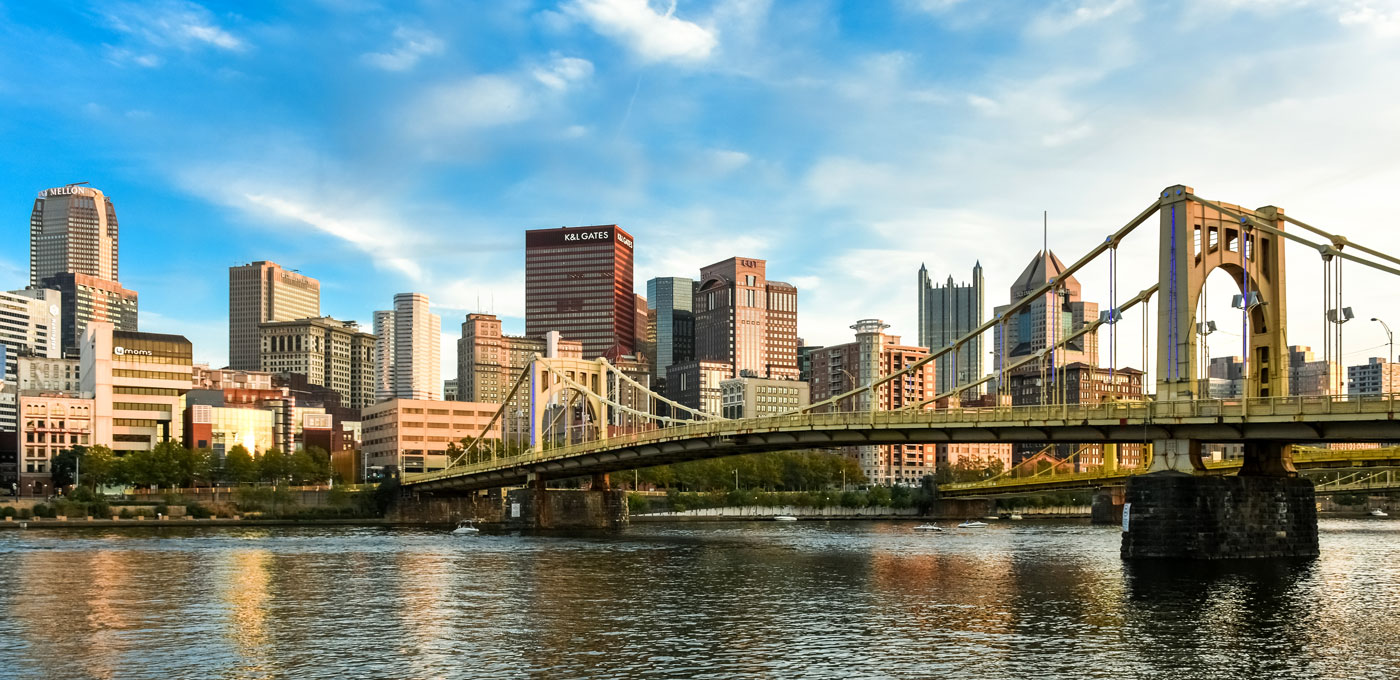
(492, 100)
(651, 35)
(562, 72)
(171, 24)
(410, 46)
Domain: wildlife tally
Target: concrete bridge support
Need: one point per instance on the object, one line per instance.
(1265, 511)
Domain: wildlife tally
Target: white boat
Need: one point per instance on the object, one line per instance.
(1016, 516)
(972, 524)
(928, 527)
(1377, 512)
(784, 518)
(465, 528)
(992, 517)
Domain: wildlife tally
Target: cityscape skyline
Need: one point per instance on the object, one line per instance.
(331, 204)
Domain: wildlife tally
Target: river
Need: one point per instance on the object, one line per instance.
(846, 599)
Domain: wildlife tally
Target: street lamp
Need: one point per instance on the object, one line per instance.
(1389, 339)
(736, 479)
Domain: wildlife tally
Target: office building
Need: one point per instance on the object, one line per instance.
(30, 325)
(262, 292)
(946, 313)
(72, 230)
(761, 397)
(743, 319)
(804, 360)
(412, 435)
(51, 423)
(874, 354)
(48, 374)
(641, 317)
(489, 361)
(138, 381)
(220, 428)
(1311, 377)
(670, 323)
(578, 281)
(1376, 376)
(696, 384)
(205, 378)
(1044, 322)
(408, 347)
(450, 391)
(84, 299)
(330, 353)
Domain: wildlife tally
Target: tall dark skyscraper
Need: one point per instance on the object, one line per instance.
(946, 313)
(578, 281)
(72, 229)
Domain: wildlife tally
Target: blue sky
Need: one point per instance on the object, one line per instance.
(388, 147)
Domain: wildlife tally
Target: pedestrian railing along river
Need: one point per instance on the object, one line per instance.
(1297, 418)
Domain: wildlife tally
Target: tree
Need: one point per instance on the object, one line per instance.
(100, 467)
(273, 466)
(239, 467)
(310, 466)
(62, 466)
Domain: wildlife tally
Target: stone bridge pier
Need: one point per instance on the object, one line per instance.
(1266, 510)
(535, 506)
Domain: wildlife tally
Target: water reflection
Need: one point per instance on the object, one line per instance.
(809, 600)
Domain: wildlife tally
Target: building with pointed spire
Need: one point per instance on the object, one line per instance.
(948, 312)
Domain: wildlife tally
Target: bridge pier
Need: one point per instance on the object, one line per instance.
(1262, 512)
(538, 507)
(1107, 507)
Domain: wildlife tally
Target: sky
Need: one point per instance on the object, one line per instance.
(389, 147)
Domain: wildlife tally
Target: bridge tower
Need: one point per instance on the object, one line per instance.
(1195, 241)
(1266, 510)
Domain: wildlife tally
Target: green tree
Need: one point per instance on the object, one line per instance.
(100, 467)
(274, 466)
(239, 467)
(62, 466)
(310, 466)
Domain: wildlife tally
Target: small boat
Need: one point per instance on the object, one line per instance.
(784, 518)
(928, 527)
(1377, 512)
(1016, 516)
(465, 528)
(972, 524)
(992, 517)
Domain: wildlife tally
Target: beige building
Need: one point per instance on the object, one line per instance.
(261, 292)
(408, 350)
(1309, 377)
(50, 423)
(696, 384)
(412, 435)
(44, 374)
(30, 325)
(761, 397)
(72, 228)
(205, 378)
(489, 361)
(841, 368)
(330, 353)
(1376, 376)
(138, 382)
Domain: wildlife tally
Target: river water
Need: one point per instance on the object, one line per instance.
(846, 599)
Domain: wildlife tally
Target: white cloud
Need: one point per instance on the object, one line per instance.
(723, 161)
(652, 35)
(477, 102)
(172, 23)
(1058, 22)
(411, 45)
(1383, 20)
(562, 72)
(381, 241)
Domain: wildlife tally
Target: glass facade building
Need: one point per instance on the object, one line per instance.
(670, 322)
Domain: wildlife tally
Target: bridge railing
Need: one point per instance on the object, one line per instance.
(1108, 413)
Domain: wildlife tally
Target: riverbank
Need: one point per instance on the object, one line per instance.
(94, 523)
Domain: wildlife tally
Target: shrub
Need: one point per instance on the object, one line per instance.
(25, 513)
(637, 503)
(197, 511)
(100, 509)
(162, 509)
(7, 511)
(126, 513)
(42, 510)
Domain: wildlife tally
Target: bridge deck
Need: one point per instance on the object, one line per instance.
(1291, 419)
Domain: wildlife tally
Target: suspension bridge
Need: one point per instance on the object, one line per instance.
(568, 418)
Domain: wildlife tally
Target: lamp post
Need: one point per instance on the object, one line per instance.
(736, 479)
(1389, 339)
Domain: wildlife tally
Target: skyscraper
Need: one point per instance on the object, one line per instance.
(261, 292)
(29, 326)
(408, 347)
(1042, 323)
(578, 281)
(946, 313)
(330, 353)
(670, 322)
(744, 319)
(72, 228)
(84, 299)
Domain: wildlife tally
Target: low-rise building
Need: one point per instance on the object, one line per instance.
(695, 384)
(138, 381)
(49, 425)
(205, 378)
(412, 435)
(1376, 376)
(220, 428)
(47, 374)
(761, 397)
